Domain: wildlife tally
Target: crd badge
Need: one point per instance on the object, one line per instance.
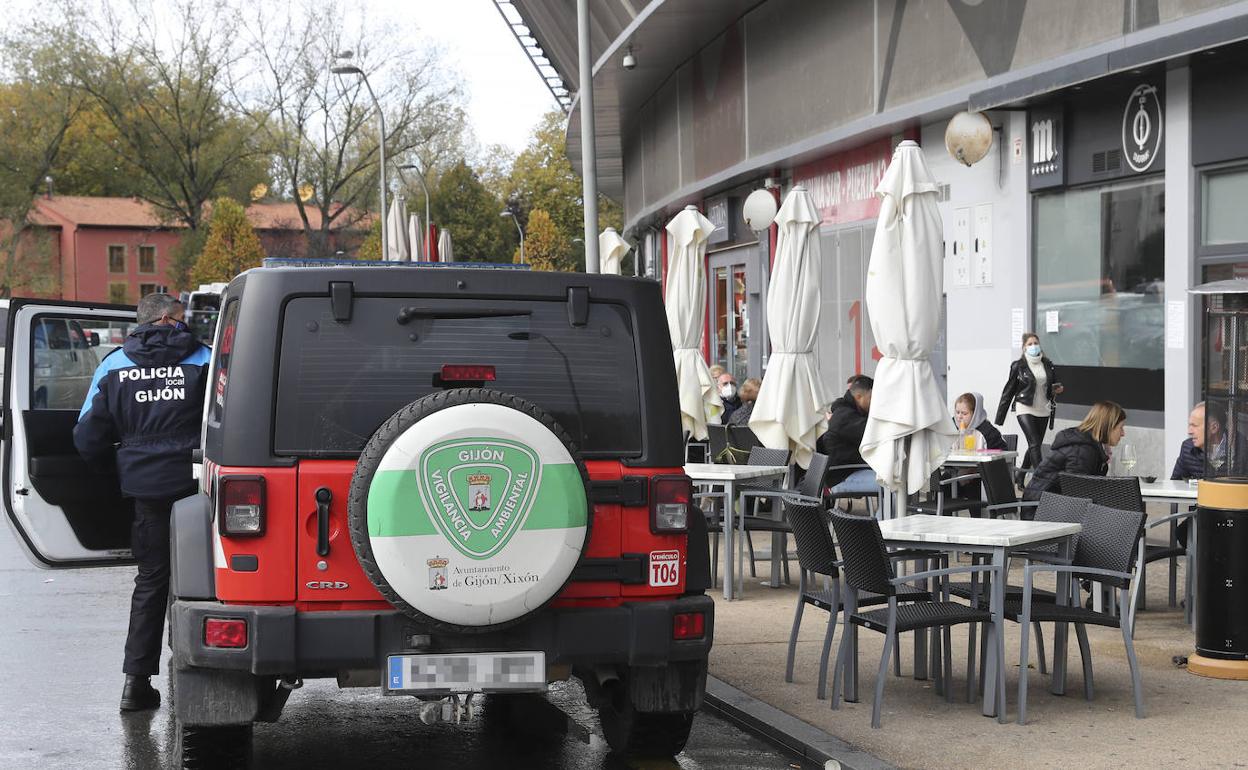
(336, 585)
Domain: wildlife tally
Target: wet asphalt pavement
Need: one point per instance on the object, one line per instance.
(61, 635)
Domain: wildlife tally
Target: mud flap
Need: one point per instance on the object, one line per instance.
(204, 698)
(674, 687)
(698, 554)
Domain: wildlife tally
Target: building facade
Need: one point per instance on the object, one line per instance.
(99, 249)
(1103, 112)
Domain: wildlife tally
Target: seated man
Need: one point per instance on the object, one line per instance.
(1191, 461)
(748, 395)
(841, 442)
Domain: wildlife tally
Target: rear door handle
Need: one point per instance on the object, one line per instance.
(323, 496)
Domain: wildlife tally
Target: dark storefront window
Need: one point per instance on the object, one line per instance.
(1100, 268)
(1223, 226)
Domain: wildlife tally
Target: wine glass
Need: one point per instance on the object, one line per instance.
(1128, 458)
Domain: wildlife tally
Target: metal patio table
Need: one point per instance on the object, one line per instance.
(729, 476)
(1176, 493)
(996, 538)
(973, 459)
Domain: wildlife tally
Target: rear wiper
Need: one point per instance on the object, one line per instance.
(567, 368)
(407, 314)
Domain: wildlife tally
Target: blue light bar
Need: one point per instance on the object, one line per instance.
(342, 262)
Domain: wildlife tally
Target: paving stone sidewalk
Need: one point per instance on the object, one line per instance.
(1191, 721)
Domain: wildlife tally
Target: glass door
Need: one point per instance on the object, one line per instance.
(730, 317)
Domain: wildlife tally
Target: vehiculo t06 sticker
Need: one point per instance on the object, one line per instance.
(664, 568)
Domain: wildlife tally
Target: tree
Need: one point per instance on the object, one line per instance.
(545, 248)
(323, 128)
(163, 92)
(370, 247)
(37, 109)
(232, 244)
(90, 162)
(542, 178)
(185, 255)
(462, 205)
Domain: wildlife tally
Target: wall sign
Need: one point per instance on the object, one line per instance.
(1142, 123)
(1046, 161)
(719, 211)
(843, 185)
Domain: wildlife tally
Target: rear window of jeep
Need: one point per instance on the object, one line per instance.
(337, 382)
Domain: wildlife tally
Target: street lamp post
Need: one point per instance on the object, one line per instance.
(351, 69)
(420, 175)
(514, 218)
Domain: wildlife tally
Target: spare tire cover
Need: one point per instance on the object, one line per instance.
(469, 508)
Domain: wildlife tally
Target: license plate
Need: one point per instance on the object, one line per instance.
(468, 672)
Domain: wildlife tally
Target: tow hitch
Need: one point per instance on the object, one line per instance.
(454, 708)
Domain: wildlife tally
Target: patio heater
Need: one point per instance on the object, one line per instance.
(1221, 525)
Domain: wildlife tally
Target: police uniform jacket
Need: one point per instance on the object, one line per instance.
(145, 404)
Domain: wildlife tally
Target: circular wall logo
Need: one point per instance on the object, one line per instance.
(1142, 128)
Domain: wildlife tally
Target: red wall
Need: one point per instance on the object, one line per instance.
(85, 265)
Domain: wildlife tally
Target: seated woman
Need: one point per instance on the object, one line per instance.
(1084, 449)
(969, 415)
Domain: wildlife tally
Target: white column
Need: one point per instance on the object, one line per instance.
(1182, 380)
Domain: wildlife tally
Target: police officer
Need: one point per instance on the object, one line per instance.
(143, 413)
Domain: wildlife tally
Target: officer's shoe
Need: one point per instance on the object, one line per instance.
(139, 695)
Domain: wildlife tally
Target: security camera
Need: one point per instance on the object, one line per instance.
(630, 61)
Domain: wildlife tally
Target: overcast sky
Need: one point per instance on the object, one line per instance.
(506, 95)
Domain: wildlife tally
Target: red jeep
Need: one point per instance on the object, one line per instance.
(438, 482)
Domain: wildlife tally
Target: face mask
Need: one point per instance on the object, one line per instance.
(728, 391)
(1033, 350)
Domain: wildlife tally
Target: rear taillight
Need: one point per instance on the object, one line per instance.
(240, 506)
(467, 373)
(225, 632)
(669, 503)
(688, 625)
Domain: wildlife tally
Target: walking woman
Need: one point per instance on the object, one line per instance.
(1031, 389)
(1085, 449)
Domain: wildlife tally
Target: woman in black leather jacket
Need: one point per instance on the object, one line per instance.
(1084, 450)
(1031, 390)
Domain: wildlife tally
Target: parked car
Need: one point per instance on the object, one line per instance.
(435, 482)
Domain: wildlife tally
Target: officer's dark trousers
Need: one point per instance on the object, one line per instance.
(149, 538)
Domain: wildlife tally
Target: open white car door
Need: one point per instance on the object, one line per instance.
(65, 513)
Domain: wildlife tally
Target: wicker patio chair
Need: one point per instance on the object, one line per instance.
(867, 567)
(710, 501)
(1123, 492)
(819, 579)
(1106, 552)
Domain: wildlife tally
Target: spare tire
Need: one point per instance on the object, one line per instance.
(469, 509)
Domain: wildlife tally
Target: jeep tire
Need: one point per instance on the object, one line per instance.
(211, 747)
(645, 735)
(469, 509)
